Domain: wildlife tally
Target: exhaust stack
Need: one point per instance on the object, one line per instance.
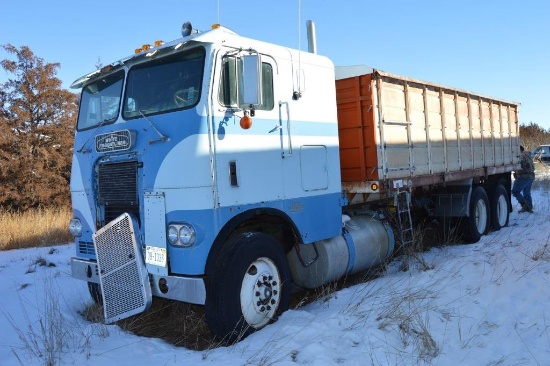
(311, 37)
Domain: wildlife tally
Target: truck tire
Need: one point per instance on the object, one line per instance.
(500, 213)
(95, 292)
(250, 287)
(477, 224)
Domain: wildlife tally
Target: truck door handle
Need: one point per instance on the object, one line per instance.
(276, 128)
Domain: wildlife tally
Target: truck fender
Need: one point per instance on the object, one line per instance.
(240, 220)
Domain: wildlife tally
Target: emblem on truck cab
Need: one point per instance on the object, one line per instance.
(115, 141)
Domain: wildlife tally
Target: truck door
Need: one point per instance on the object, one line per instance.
(248, 164)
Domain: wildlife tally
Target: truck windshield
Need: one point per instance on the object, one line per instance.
(100, 101)
(164, 84)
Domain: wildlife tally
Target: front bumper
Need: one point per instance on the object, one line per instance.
(186, 289)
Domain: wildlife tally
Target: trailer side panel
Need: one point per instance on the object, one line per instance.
(392, 127)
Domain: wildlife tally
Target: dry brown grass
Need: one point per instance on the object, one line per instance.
(184, 325)
(178, 323)
(34, 228)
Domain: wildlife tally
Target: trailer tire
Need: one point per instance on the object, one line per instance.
(250, 287)
(95, 292)
(500, 214)
(477, 224)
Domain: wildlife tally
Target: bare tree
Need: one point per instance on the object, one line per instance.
(532, 135)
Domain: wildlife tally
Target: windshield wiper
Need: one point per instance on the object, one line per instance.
(163, 137)
(81, 150)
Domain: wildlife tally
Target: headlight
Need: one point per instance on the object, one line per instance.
(172, 235)
(75, 227)
(187, 235)
(181, 235)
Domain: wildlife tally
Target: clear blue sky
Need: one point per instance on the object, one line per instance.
(496, 48)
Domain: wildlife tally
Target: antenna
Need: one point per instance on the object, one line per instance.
(218, 11)
(299, 24)
(299, 45)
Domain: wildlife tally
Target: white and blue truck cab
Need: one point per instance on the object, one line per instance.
(207, 170)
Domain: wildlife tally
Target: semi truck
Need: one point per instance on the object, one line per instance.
(224, 171)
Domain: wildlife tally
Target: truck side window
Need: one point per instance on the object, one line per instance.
(231, 83)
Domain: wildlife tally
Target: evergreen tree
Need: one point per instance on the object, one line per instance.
(37, 119)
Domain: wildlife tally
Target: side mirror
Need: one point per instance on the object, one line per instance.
(252, 80)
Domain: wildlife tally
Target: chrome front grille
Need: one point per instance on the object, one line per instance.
(124, 279)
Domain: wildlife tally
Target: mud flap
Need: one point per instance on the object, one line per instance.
(125, 285)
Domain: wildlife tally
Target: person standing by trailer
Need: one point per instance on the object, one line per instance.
(524, 180)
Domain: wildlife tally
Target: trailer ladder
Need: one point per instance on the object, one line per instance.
(402, 202)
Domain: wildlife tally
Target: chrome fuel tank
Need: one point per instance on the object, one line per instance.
(366, 241)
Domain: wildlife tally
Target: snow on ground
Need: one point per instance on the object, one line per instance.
(482, 304)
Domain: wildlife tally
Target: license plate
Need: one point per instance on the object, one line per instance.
(155, 256)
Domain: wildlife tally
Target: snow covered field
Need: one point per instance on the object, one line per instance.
(482, 304)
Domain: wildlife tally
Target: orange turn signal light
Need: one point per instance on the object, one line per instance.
(246, 122)
(374, 186)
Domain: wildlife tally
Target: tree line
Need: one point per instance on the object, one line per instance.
(532, 135)
(37, 119)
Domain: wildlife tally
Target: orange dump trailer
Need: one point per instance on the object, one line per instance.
(396, 131)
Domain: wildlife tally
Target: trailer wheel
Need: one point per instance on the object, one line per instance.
(499, 208)
(477, 224)
(250, 287)
(95, 292)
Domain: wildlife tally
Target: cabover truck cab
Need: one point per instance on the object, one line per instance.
(224, 171)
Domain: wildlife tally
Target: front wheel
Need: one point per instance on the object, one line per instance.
(477, 224)
(250, 287)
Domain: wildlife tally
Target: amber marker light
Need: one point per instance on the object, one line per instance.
(159, 43)
(145, 47)
(374, 186)
(138, 50)
(246, 122)
(215, 26)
